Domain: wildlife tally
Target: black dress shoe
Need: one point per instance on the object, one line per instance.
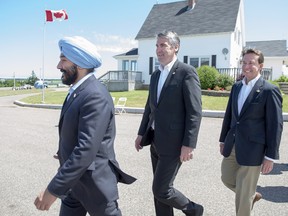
(257, 197)
(197, 210)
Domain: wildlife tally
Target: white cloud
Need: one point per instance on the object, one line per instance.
(114, 43)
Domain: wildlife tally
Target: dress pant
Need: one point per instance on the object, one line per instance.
(71, 206)
(166, 197)
(242, 180)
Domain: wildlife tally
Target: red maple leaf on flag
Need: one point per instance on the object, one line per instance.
(58, 14)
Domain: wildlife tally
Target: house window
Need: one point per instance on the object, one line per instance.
(235, 35)
(194, 62)
(133, 65)
(205, 61)
(199, 61)
(239, 37)
(125, 65)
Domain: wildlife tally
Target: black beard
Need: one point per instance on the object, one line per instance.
(70, 75)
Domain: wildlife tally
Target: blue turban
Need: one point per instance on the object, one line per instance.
(80, 51)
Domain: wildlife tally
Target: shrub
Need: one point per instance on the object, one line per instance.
(224, 80)
(228, 88)
(208, 76)
(282, 79)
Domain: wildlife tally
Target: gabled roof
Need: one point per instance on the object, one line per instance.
(270, 48)
(133, 51)
(208, 16)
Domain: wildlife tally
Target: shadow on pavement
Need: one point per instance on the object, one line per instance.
(276, 194)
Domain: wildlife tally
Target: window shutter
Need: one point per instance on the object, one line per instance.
(185, 59)
(214, 61)
(150, 65)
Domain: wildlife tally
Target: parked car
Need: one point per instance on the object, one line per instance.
(26, 86)
(23, 87)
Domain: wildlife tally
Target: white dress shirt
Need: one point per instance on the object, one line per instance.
(245, 91)
(163, 76)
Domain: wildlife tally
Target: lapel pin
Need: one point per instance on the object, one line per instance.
(74, 95)
(258, 90)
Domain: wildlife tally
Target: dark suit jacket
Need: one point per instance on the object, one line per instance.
(177, 115)
(86, 146)
(256, 132)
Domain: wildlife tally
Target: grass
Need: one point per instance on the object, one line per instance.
(9, 92)
(50, 97)
(135, 98)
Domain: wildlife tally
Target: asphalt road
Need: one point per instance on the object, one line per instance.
(29, 140)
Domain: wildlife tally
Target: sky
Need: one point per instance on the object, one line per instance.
(29, 44)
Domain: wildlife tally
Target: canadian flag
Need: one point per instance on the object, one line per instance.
(52, 15)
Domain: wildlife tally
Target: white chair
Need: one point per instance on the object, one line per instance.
(120, 106)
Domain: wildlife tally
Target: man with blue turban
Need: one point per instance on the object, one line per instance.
(87, 178)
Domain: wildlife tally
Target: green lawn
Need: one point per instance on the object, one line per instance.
(135, 99)
(9, 91)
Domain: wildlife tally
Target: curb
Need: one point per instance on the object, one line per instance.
(44, 106)
(133, 110)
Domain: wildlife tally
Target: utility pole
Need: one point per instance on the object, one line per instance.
(14, 88)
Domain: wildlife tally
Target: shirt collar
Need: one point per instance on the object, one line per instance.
(168, 66)
(251, 82)
(76, 85)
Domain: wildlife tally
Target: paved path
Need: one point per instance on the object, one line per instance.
(29, 140)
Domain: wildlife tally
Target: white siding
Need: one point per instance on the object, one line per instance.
(276, 64)
(192, 46)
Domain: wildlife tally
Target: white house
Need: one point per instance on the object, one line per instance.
(211, 33)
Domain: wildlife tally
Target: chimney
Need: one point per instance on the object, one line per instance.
(191, 4)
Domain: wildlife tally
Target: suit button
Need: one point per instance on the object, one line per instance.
(234, 135)
(238, 123)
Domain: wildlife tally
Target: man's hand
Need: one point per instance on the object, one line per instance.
(267, 166)
(221, 145)
(186, 153)
(137, 143)
(44, 200)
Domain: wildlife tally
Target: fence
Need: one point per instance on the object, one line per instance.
(236, 72)
(122, 76)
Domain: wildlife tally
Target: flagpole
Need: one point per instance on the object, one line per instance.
(43, 60)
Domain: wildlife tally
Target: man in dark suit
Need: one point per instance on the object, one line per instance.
(251, 132)
(171, 121)
(87, 178)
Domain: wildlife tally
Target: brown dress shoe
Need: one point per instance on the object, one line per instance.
(257, 197)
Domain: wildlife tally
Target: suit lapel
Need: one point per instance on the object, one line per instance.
(68, 102)
(73, 96)
(236, 95)
(155, 86)
(254, 92)
(167, 81)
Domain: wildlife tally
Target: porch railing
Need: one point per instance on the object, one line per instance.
(236, 72)
(122, 76)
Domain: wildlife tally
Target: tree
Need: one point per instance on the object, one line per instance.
(32, 79)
